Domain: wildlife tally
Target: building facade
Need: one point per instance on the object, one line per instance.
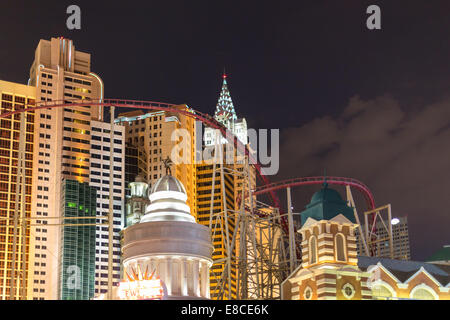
(205, 192)
(135, 164)
(77, 252)
(156, 134)
(62, 139)
(14, 96)
(400, 240)
(329, 269)
(100, 175)
(332, 270)
(234, 177)
(226, 114)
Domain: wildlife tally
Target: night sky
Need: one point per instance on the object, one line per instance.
(371, 105)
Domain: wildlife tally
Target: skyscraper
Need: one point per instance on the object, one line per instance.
(135, 164)
(100, 174)
(77, 252)
(204, 193)
(400, 240)
(154, 134)
(62, 140)
(14, 96)
(226, 114)
(234, 177)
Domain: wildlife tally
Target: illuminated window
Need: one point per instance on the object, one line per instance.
(312, 250)
(381, 292)
(423, 292)
(307, 294)
(340, 247)
(348, 291)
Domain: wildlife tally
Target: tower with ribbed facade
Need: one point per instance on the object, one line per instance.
(234, 180)
(226, 114)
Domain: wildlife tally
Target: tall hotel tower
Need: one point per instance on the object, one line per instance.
(154, 135)
(62, 151)
(100, 174)
(14, 96)
(225, 114)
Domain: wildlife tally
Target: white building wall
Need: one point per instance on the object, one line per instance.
(100, 174)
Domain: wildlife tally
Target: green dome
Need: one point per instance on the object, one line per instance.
(326, 204)
(325, 194)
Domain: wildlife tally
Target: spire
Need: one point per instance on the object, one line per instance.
(325, 184)
(225, 108)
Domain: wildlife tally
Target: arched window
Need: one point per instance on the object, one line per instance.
(339, 243)
(381, 292)
(423, 292)
(312, 250)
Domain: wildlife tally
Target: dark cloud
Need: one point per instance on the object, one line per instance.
(402, 155)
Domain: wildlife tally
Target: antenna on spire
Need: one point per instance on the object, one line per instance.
(224, 76)
(325, 184)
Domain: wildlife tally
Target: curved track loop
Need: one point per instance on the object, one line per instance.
(342, 181)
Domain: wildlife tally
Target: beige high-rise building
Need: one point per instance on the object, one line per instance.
(154, 134)
(62, 149)
(14, 96)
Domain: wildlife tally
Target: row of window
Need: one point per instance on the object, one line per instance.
(18, 99)
(105, 148)
(106, 139)
(69, 79)
(119, 133)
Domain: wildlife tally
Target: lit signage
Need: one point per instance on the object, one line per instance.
(141, 290)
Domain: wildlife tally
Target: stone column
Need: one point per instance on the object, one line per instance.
(168, 275)
(195, 274)
(175, 276)
(208, 285)
(183, 276)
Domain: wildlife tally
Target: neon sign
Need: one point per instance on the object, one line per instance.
(141, 290)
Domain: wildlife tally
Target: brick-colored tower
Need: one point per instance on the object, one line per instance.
(329, 270)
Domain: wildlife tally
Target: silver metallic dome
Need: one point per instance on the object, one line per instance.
(168, 183)
(168, 202)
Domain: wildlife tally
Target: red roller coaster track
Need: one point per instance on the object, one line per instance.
(159, 106)
(267, 186)
(319, 180)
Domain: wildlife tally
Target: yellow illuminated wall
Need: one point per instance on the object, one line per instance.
(14, 96)
(204, 191)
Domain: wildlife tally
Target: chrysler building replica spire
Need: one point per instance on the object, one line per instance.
(226, 114)
(169, 244)
(225, 109)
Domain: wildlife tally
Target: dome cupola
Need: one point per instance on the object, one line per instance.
(168, 200)
(326, 204)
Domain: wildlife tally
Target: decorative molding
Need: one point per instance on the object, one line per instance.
(326, 281)
(422, 269)
(380, 282)
(325, 235)
(326, 290)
